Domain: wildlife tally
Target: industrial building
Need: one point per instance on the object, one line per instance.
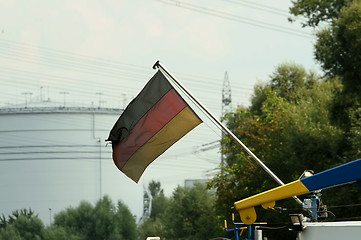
(52, 157)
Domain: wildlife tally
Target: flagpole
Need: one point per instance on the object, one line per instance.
(223, 127)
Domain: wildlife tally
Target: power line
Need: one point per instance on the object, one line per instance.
(71, 55)
(57, 60)
(94, 68)
(21, 77)
(236, 18)
(261, 7)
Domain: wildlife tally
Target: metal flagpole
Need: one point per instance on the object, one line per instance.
(224, 128)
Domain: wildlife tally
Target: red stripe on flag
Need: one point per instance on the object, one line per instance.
(154, 120)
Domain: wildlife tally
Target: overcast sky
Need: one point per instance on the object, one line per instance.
(100, 53)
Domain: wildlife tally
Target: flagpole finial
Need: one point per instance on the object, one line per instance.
(156, 65)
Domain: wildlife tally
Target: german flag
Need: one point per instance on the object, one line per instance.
(156, 119)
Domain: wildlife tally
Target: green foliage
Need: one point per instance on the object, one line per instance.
(125, 222)
(190, 213)
(300, 121)
(338, 50)
(21, 224)
(29, 228)
(54, 232)
(155, 188)
(158, 205)
(296, 119)
(76, 220)
(154, 225)
(289, 127)
(338, 47)
(151, 227)
(290, 81)
(9, 233)
(103, 221)
(316, 11)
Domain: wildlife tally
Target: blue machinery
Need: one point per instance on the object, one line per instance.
(239, 230)
(343, 174)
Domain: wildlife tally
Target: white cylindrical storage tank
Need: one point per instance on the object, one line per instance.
(54, 157)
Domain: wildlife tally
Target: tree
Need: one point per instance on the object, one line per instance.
(125, 222)
(298, 120)
(151, 227)
(294, 120)
(77, 221)
(54, 232)
(103, 221)
(338, 47)
(159, 201)
(154, 225)
(338, 50)
(9, 233)
(155, 188)
(191, 214)
(316, 11)
(289, 127)
(21, 224)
